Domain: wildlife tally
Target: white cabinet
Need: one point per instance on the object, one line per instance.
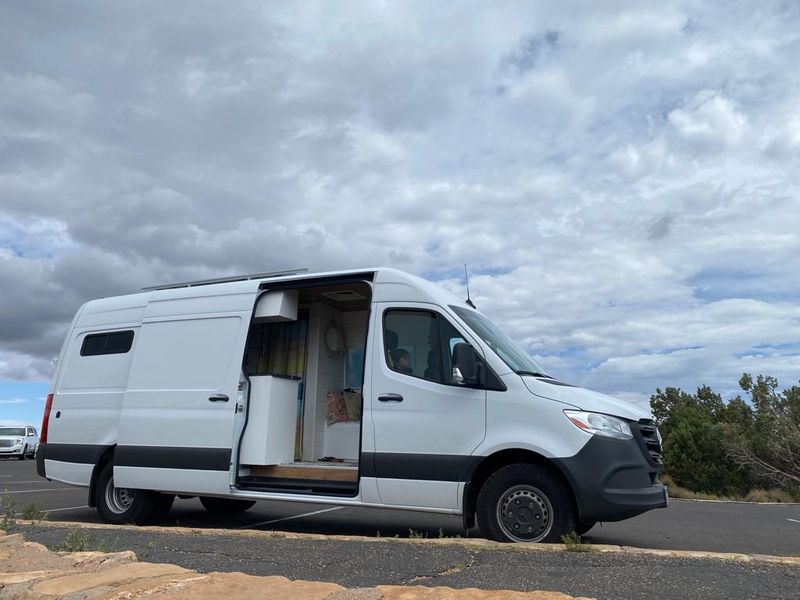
(342, 440)
(271, 421)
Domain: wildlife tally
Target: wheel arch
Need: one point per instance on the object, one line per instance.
(105, 458)
(489, 464)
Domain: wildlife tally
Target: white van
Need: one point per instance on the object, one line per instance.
(360, 388)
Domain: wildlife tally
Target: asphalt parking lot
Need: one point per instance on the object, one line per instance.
(685, 525)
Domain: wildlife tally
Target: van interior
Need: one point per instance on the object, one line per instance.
(304, 363)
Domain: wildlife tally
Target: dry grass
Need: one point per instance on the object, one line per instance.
(676, 491)
(757, 495)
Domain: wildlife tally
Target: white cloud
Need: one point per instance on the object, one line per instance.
(709, 119)
(623, 181)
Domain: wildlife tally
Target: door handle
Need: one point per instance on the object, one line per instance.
(390, 398)
(218, 398)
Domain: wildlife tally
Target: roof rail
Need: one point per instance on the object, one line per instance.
(172, 286)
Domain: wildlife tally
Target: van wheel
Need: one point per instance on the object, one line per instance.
(124, 505)
(222, 506)
(524, 503)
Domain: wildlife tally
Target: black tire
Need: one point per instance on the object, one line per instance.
(122, 505)
(543, 505)
(581, 527)
(225, 506)
(24, 453)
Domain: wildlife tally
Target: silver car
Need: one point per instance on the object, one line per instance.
(18, 441)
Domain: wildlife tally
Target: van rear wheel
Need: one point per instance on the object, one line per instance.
(225, 506)
(524, 503)
(124, 505)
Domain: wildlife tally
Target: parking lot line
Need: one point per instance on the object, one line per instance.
(31, 481)
(309, 514)
(33, 491)
(66, 508)
(793, 520)
(19, 514)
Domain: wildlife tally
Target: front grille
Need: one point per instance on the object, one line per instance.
(646, 434)
(6, 443)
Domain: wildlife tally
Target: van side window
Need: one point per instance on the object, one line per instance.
(420, 343)
(114, 342)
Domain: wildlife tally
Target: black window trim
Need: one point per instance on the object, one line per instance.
(439, 316)
(107, 335)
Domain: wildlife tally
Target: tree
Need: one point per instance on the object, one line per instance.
(771, 449)
(693, 429)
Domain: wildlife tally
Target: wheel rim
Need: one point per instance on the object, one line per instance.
(118, 500)
(525, 514)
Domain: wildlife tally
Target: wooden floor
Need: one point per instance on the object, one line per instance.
(345, 471)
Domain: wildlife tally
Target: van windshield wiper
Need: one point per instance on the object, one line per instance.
(533, 374)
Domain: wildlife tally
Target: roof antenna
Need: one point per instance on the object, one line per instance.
(466, 278)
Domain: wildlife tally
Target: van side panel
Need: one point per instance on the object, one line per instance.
(86, 406)
(176, 424)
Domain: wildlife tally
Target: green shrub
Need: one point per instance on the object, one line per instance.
(574, 543)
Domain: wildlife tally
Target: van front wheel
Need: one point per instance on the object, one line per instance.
(524, 503)
(123, 505)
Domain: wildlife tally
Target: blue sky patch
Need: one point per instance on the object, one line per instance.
(23, 401)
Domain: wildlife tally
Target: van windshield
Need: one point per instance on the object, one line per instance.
(12, 431)
(494, 337)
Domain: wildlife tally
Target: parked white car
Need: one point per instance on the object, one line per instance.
(19, 441)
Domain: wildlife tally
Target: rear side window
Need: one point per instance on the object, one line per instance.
(115, 342)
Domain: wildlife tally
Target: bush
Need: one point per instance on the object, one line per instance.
(694, 428)
(714, 447)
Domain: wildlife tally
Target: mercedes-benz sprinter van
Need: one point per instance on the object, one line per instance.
(362, 388)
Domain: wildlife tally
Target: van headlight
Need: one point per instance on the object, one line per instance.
(599, 424)
(18, 442)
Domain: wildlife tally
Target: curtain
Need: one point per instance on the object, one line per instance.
(281, 350)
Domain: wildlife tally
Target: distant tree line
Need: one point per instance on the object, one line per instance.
(729, 448)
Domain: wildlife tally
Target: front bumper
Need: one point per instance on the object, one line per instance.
(13, 451)
(612, 480)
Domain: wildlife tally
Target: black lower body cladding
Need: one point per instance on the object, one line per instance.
(87, 454)
(612, 480)
(40, 460)
(164, 457)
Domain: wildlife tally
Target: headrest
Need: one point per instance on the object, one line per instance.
(391, 339)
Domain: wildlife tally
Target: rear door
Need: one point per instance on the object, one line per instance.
(176, 424)
(426, 427)
(87, 399)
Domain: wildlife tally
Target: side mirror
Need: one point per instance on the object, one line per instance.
(467, 365)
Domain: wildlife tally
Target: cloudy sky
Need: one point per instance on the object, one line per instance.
(623, 178)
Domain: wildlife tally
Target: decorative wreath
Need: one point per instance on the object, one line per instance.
(335, 344)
